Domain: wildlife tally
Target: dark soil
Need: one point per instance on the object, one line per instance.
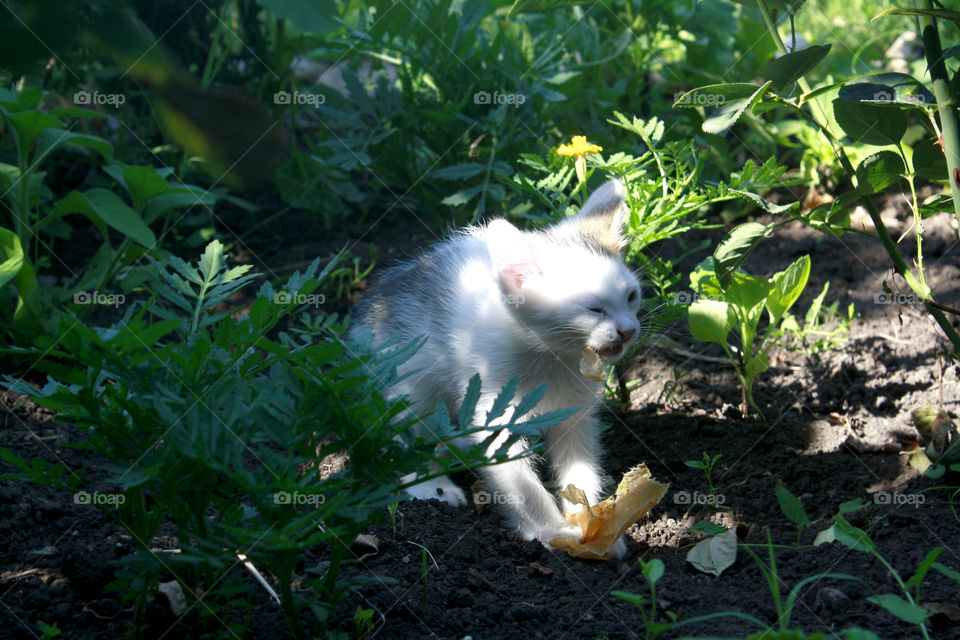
(55, 555)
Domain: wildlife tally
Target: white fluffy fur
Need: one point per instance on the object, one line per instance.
(501, 302)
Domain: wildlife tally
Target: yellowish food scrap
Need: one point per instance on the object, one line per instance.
(592, 366)
(603, 524)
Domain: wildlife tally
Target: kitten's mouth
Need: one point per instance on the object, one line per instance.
(612, 351)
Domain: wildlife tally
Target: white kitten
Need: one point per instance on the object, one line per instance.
(501, 302)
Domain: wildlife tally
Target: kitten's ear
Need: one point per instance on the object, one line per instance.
(601, 221)
(512, 255)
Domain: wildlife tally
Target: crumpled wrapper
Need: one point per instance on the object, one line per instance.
(603, 523)
(591, 365)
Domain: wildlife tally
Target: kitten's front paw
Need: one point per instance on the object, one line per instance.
(441, 489)
(547, 533)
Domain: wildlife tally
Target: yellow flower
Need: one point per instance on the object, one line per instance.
(579, 147)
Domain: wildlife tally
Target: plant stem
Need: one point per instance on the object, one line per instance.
(946, 105)
(900, 266)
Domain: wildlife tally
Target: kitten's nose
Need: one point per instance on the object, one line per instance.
(626, 335)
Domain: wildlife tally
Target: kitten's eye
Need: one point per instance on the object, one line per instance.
(632, 296)
(598, 310)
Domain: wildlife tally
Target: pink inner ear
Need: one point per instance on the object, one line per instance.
(513, 276)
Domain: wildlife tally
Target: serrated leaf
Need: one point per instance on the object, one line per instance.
(469, 404)
(735, 248)
(502, 401)
(720, 121)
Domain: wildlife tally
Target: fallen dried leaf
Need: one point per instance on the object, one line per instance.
(365, 546)
(713, 555)
(174, 593)
(603, 523)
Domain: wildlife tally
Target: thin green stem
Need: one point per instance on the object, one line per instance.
(818, 119)
(946, 104)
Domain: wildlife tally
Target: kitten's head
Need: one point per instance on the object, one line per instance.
(569, 284)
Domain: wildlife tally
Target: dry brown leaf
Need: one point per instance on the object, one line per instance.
(365, 546)
(603, 524)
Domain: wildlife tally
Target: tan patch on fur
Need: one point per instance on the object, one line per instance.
(602, 233)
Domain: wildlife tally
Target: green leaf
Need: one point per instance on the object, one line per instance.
(850, 506)
(763, 203)
(460, 171)
(869, 123)
(901, 608)
(792, 507)
(106, 206)
(720, 121)
(144, 183)
(653, 570)
(51, 139)
(928, 160)
(918, 288)
(29, 125)
(784, 70)
(11, 256)
(879, 171)
(710, 321)
(716, 95)
(735, 248)
(315, 17)
(850, 536)
(787, 287)
(755, 366)
(932, 13)
(924, 567)
(530, 6)
(889, 89)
